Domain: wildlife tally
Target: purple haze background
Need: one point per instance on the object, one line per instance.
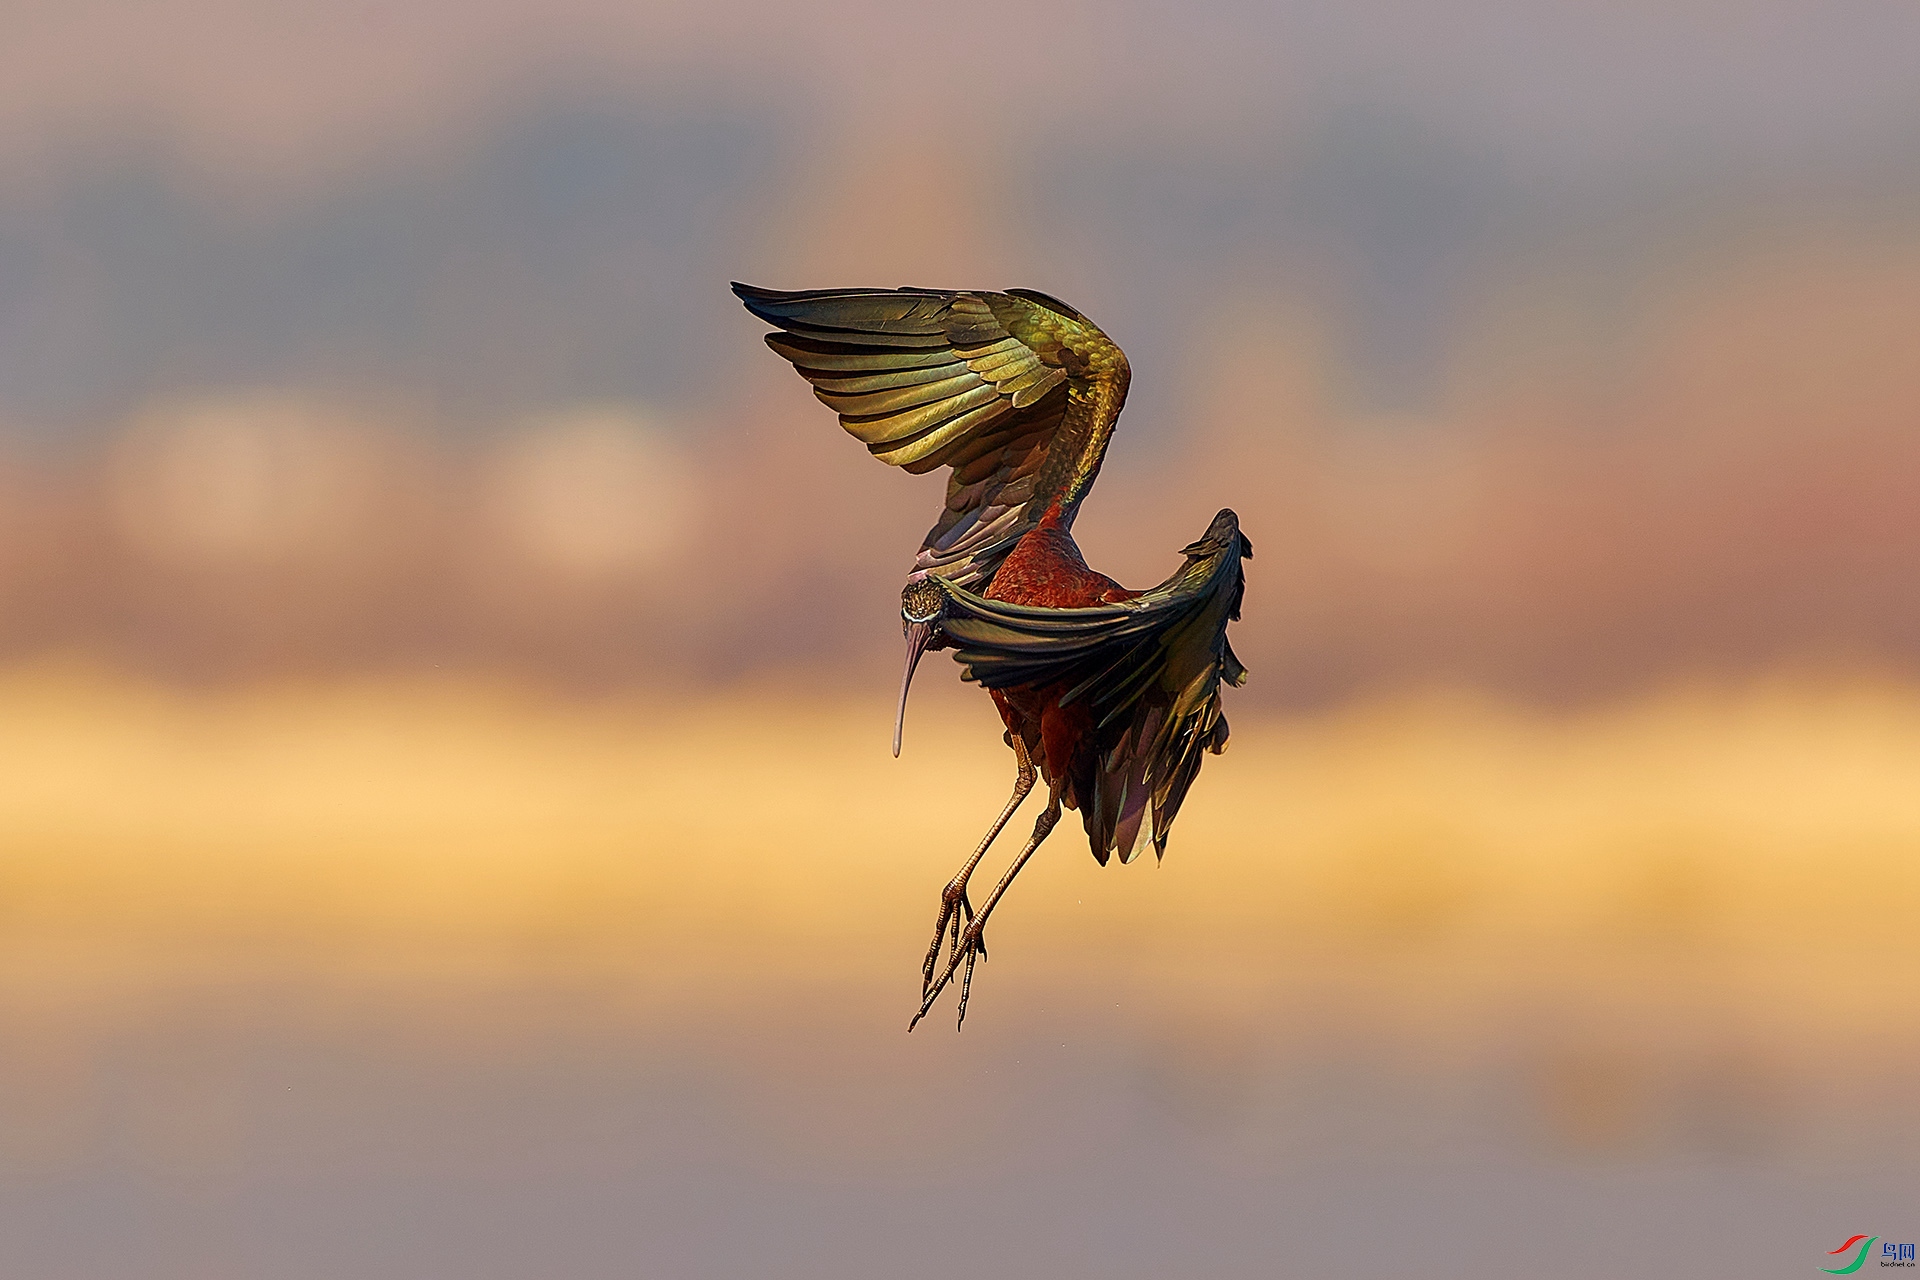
(446, 826)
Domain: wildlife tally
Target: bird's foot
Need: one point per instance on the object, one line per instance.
(954, 905)
(968, 947)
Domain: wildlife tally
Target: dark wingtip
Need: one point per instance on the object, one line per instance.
(753, 298)
(1219, 536)
(1048, 301)
(760, 301)
(1233, 521)
(1227, 525)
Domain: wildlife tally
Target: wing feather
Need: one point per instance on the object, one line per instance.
(813, 354)
(994, 385)
(1149, 669)
(926, 451)
(874, 402)
(885, 428)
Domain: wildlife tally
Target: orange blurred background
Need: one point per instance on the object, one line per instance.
(446, 825)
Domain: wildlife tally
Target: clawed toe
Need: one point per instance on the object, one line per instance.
(963, 934)
(967, 946)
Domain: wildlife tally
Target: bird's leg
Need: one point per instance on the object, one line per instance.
(970, 948)
(953, 899)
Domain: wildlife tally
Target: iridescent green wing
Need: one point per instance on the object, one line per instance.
(1149, 670)
(1016, 392)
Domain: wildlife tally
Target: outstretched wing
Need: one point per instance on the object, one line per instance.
(1016, 391)
(1149, 670)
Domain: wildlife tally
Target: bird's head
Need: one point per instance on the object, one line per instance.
(921, 604)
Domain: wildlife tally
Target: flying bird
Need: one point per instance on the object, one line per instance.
(1109, 696)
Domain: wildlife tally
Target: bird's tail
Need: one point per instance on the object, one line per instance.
(1141, 780)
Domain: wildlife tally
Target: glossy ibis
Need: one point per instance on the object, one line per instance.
(1111, 696)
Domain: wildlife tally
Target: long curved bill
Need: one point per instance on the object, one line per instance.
(919, 636)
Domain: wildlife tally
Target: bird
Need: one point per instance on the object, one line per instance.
(1109, 696)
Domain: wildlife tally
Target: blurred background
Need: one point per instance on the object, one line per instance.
(446, 820)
